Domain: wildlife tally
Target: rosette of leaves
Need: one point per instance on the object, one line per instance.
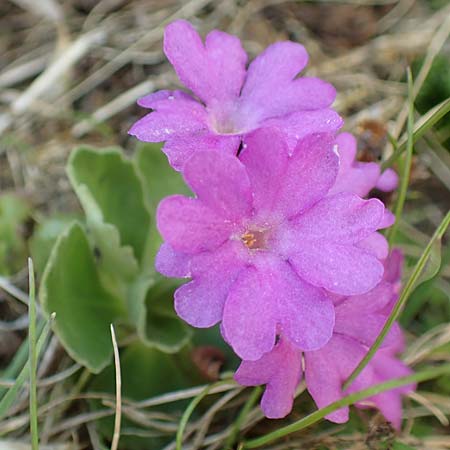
(101, 269)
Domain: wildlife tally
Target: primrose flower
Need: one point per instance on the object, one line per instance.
(232, 100)
(262, 241)
(359, 319)
(359, 177)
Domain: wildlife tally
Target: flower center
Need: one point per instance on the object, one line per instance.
(224, 119)
(254, 239)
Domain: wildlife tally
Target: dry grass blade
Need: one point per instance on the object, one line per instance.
(57, 69)
(115, 106)
(47, 9)
(416, 396)
(187, 10)
(118, 416)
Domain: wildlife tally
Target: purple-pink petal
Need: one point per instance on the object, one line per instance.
(175, 113)
(180, 148)
(265, 158)
(385, 367)
(306, 313)
(359, 177)
(388, 219)
(376, 244)
(249, 316)
(171, 263)
(220, 181)
(299, 124)
(355, 177)
(280, 370)
(270, 93)
(215, 70)
(310, 173)
(371, 302)
(342, 269)
(342, 218)
(326, 369)
(394, 266)
(189, 226)
(201, 302)
(363, 328)
(388, 181)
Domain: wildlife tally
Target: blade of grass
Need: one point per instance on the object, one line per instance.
(407, 163)
(421, 127)
(190, 409)
(11, 395)
(423, 375)
(32, 359)
(237, 425)
(409, 286)
(19, 360)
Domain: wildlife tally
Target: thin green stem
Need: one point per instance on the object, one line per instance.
(190, 409)
(32, 339)
(407, 163)
(409, 286)
(311, 419)
(237, 425)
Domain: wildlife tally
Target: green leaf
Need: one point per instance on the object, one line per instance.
(44, 237)
(84, 309)
(112, 258)
(159, 180)
(111, 193)
(158, 177)
(151, 309)
(13, 213)
(433, 264)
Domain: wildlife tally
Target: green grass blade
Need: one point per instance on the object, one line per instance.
(423, 375)
(17, 363)
(11, 395)
(190, 409)
(32, 360)
(237, 425)
(407, 163)
(409, 286)
(423, 125)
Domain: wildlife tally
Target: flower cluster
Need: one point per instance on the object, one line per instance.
(279, 244)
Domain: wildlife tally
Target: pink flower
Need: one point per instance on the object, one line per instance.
(359, 319)
(359, 177)
(262, 240)
(232, 100)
